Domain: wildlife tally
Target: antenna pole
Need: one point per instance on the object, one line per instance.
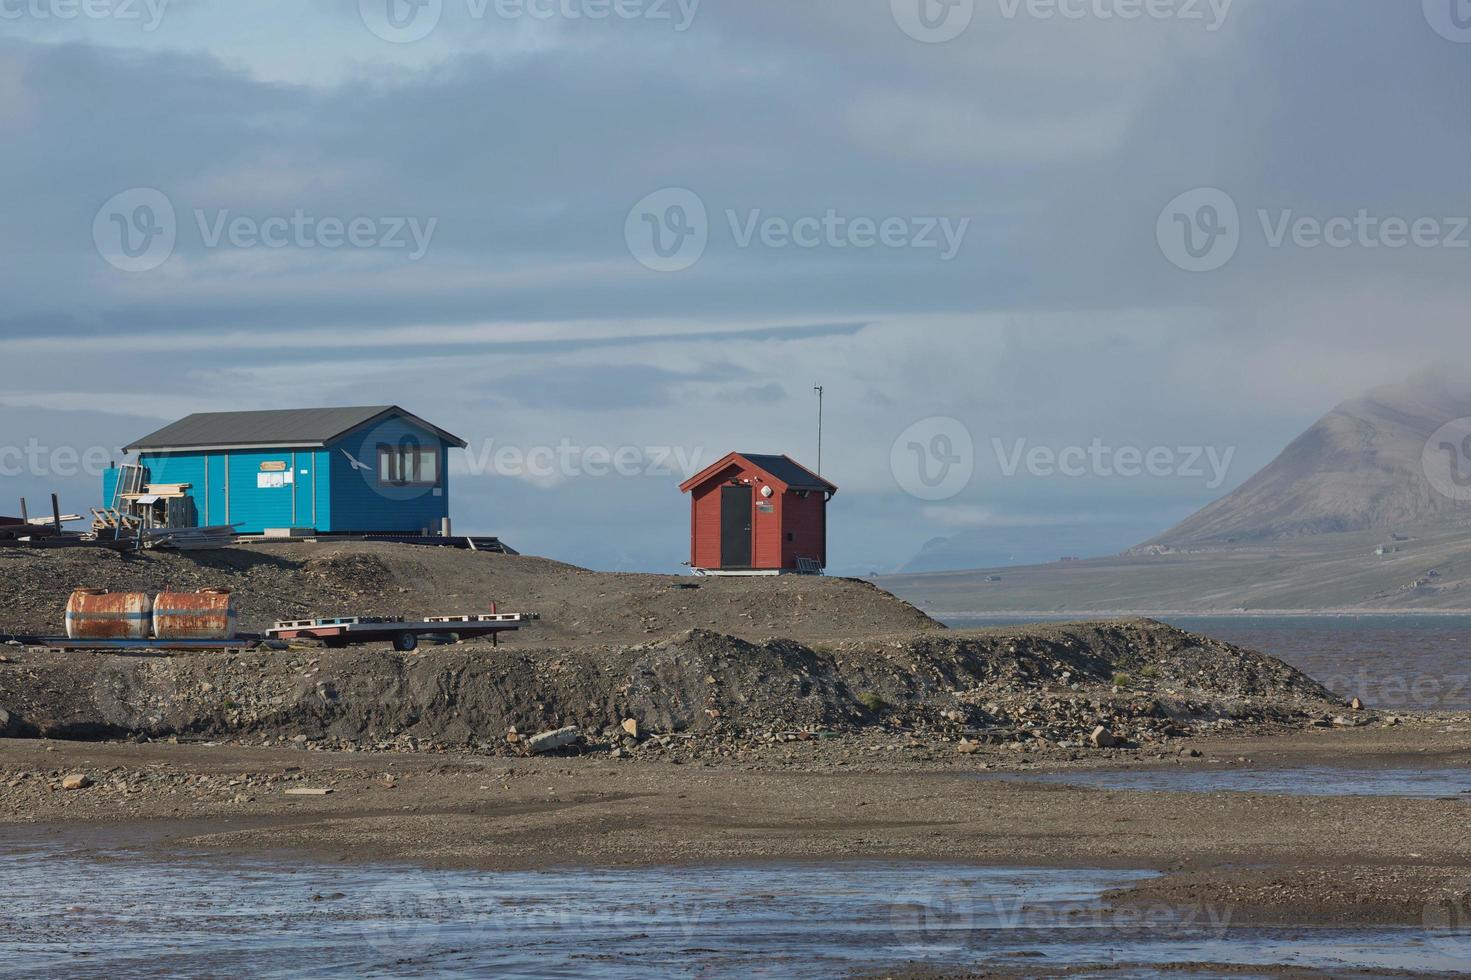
(818, 389)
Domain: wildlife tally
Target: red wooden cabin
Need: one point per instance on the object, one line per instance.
(754, 513)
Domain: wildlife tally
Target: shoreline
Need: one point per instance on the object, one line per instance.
(1328, 860)
(1026, 616)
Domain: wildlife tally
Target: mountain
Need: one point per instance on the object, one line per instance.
(1026, 544)
(1347, 517)
(1358, 468)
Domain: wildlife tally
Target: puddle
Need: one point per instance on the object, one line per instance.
(77, 914)
(1306, 781)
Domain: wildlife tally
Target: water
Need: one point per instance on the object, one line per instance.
(1392, 662)
(1302, 781)
(72, 913)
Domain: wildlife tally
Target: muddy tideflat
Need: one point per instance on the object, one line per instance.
(1275, 858)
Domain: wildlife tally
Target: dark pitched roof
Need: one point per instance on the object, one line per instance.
(783, 469)
(789, 471)
(274, 429)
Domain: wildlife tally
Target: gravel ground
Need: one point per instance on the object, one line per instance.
(1268, 859)
(1067, 688)
(300, 581)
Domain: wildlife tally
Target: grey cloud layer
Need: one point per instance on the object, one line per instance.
(528, 142)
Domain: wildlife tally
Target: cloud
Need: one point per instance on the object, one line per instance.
(529, 319)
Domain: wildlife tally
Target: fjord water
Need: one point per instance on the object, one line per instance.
(1435, 784)
(1404, 662)
(97, 913)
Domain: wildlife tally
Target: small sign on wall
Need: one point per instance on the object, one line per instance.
(274, 466)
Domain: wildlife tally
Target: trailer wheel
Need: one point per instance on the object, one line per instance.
(405, 642)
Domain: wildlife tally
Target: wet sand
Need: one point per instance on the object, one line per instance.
(1273, 859)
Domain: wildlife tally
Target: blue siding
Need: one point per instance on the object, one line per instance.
(321, 477)
(252, 507)
(326, 491)
(212, 501)
(180, 468)
(361, 503)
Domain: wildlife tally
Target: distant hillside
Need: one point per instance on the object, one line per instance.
(1344, 518)
(1358, 468)
(1024, 545)
(1417, 567)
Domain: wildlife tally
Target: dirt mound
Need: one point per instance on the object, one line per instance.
(347, 573)
(1052, 685)
(301, 580)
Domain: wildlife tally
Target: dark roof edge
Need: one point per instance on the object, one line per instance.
(392, 410)
(709, 472)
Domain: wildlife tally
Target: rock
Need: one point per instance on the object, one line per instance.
(1356, 704)
(76, 781)
(630, 727)
(967, 747)
(551, 741)
(1102, 738)
(306, 791)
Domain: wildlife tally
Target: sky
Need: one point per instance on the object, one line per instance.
(1066, 270)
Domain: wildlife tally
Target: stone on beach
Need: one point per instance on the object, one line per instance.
(551, 741)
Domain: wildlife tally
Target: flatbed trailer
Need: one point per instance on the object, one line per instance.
(402, 633)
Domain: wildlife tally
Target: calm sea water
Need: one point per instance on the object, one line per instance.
(70, 914)
(1438, 784)
(1404, 663)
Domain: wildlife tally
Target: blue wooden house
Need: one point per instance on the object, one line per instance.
(333, 470)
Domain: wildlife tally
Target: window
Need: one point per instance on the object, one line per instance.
(408, 465)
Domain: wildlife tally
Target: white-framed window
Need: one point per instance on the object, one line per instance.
(408, 465)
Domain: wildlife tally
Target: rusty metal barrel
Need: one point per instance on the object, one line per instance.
(209, 614)
(96, 614)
